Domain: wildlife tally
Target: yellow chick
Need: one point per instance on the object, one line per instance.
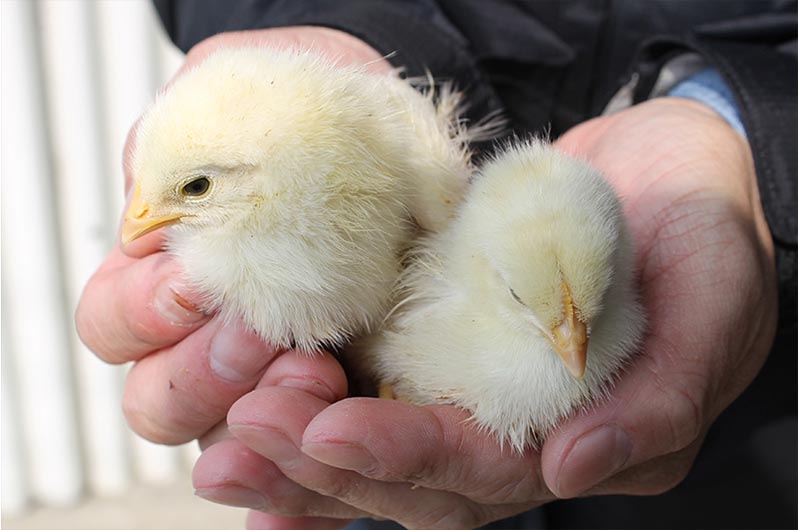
(524, 308)
(292, 186)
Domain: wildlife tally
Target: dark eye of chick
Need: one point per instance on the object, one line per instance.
(196, 188)
(515, 296)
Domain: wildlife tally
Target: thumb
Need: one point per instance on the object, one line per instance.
(655, 410)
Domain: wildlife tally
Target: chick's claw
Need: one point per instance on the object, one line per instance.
(385, 391)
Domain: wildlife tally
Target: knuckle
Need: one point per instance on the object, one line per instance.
(529, 487)
(669, 476)
(148, 423)
(683, 408)
(424, 470)
(668, 482)
(683, 419)
(205, 47)
(344, 487)
(86, 327)
(93, 333)
(289, 504)
(430, 467)
(144, 328)
(654, 477)
(138, 420)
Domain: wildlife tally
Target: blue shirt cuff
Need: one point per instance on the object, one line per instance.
(707, 86)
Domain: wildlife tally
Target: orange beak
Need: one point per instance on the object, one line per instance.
(569, 338)
(139, 220)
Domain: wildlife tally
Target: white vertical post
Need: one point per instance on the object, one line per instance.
(69, 43)
(33, 293)
(190, 453)
(131, 76)
(14, 488)
(126, 31)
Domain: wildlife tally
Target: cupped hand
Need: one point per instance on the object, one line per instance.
(429, 469)
(190, 367)
(708, 283)
(707, 280)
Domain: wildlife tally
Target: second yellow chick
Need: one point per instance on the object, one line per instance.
(524, 309)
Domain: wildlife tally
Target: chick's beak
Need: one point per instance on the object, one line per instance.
(569, 338)
(139, 220)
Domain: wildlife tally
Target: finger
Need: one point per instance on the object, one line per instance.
(442, 450)
(271, 421)
(265, 521)
(319, 374)
(229, 473)
(340, 47)
(647, 416)
(130, 307)
(179, 393)
(669, 395)
(653, 477)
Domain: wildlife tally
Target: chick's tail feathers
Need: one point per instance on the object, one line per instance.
(451, 109)
(443, 166)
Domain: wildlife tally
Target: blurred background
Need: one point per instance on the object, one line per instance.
(75, 76)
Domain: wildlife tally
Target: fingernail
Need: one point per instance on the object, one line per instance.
(234, 496)
(344, 455)
(596, 455)
(174, 307)
(267, 441)
(236, 355)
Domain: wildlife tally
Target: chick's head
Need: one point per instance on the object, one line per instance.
(242, 129)
(552, 233)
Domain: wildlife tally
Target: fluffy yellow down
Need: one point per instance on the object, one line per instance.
(319, 177)
(480, 298)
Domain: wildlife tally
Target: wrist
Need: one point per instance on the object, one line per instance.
(708, 87)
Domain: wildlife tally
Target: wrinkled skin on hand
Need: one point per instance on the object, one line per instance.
(302, 456)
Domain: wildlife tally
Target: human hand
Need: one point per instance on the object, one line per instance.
(189, 367)
(708, 282)
(705, 257)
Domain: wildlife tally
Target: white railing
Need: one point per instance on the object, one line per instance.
(75, 76)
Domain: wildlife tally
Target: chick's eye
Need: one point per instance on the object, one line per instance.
(515, 296)
(196, 188)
